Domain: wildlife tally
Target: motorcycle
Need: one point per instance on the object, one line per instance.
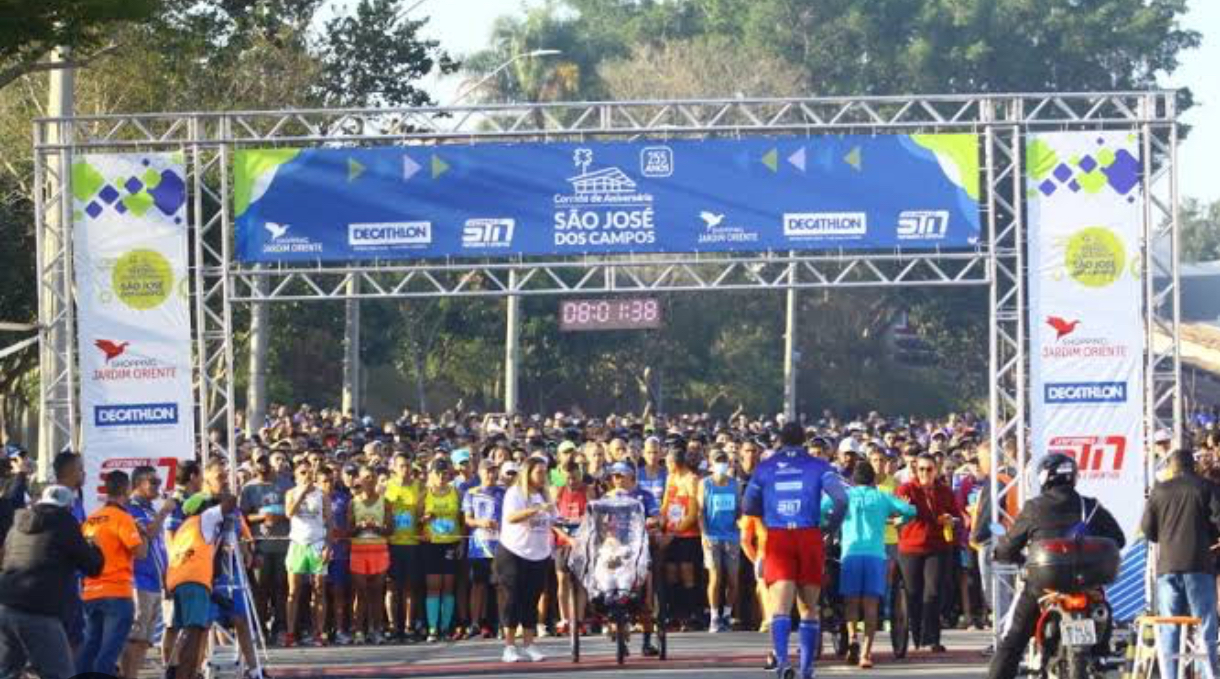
(1072, 638)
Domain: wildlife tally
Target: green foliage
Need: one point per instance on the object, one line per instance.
(1200, 231)
(30, 29)
(373, 56)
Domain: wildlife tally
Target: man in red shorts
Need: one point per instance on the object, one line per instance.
(786, 493)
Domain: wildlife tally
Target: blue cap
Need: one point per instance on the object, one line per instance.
(460, 455)
(622, 469)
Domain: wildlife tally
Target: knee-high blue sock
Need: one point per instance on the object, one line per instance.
(447, 603)
(808, 632)
(781, 626)
(433, 605)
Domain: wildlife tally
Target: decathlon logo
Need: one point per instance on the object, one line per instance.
(1085, 392)
(923, 224)
(136, 415)
(804, 225)
(389, 233)
(488, 233)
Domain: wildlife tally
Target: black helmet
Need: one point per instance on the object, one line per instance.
(1057, 469)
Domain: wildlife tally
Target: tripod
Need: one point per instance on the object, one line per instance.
(225, 659)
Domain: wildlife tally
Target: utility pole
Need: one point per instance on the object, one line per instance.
(351, 349)
(512, 348)
(260, 335)
(790, 353)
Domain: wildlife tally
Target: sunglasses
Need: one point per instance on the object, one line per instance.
(925, 469)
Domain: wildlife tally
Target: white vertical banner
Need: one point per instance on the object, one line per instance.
(1085, 311)
(133, 318)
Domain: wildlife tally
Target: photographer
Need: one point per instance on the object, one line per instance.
(44, 552)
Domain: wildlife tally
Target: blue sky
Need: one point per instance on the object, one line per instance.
(464, 25)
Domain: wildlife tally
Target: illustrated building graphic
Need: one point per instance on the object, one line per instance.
(609, 180)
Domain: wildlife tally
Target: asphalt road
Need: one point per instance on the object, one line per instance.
(691, 655)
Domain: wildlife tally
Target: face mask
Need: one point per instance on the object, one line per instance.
(720, 468)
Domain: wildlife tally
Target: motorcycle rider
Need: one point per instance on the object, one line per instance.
(1055, 513)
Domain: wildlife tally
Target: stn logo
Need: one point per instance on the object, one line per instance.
(923, 224)
(488, 233)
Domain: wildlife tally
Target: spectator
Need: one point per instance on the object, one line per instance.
(188, 480)
(925, 546)
(405, 496)
(442, 521)
(371, 520)
(150, 570)
(38, 583)
(719, 511)
(482, 507)
(1182, 518)
(308, 508)
(262, 503)
(109, 596)
(571, 501)
(523, 557)
(681, 542)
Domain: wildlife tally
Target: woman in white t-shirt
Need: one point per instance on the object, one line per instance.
(523, 559)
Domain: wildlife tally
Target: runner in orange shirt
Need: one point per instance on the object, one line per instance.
(108, 598)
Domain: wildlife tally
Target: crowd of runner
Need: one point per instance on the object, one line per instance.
(358, 532)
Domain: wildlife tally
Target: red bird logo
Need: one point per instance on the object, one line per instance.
(110, 349)
(1062, 328)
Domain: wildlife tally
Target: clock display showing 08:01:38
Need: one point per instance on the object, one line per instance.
(610, 314)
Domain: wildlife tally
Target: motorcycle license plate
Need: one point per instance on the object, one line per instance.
(1079, 632)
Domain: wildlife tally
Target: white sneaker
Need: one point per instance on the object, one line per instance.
(510, 655)
(534, 654)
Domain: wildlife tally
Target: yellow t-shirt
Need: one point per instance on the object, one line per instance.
(404, 506)
(889, 485)
(114, 532)
(445, 527)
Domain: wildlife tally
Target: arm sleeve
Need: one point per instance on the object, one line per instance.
(832, 487)
(1107, 527)
(980, 528)
(752, 502)
(84, 556)
(209, 523)
(1009, 547)
(129, 534)
(901, 507)
(1148, 523)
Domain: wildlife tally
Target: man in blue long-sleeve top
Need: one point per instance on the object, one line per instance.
(786, 492)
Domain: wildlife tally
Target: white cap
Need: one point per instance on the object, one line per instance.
(509, 468)
(849, 445)
(1162, 436)
(60, 496)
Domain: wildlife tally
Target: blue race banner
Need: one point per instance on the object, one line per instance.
(497, 200)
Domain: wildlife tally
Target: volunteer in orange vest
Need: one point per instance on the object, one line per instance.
(108, 598)
(192, 558)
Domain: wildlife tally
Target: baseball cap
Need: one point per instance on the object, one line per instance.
(565, 447)
(1162, 436)
(60, 496)
(440, 464)
(510, 468)
(622, 469)
(487, 463)
(849, 445)
(460, 455)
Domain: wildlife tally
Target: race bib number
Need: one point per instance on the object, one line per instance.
(788, 507)
(443, 527)
(404, 521)
(723, 503)
(676, 514)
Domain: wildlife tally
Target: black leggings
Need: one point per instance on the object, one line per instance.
(520, 584)
(924, 576)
